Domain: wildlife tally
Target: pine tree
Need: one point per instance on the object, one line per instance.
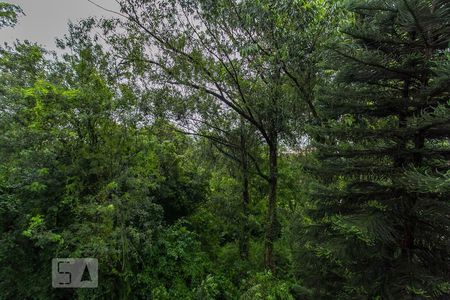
(382, 210)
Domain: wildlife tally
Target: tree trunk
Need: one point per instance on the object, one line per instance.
(272, 208)
(244, 235)
(409, 223)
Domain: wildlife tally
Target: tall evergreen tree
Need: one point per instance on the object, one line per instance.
(382, 205)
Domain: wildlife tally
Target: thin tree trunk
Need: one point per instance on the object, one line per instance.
(409, 224)
(272, 209)
(244, 235)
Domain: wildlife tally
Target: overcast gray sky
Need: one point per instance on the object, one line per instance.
(47, 19)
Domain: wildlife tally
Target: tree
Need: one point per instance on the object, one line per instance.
(80, 178)
(256, 58)
(237, 143)
(8, 14)
(382, 156)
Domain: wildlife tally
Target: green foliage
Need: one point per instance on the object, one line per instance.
(231, 150)
(77, 183)
(380, 202)
(8, 14)
(264, 286)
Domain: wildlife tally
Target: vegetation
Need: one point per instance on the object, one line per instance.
(228, 149)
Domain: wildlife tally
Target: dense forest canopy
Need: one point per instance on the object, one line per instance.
(225, 149)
